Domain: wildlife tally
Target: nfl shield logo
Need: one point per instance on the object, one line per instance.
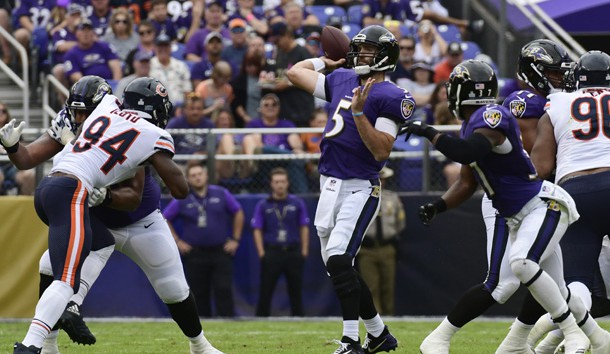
(517, 108)
(407, 106)
(492, 117)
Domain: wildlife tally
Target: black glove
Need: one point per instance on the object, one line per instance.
(427, 212)
(418, 128)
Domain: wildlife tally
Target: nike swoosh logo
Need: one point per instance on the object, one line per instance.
(147, 226)
(377, 347)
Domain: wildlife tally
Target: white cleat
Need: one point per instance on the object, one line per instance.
(203, 347)
(576, 342)
(543, 326)
(514, 345)
(600, 342)
(432, 345)
(549, 344)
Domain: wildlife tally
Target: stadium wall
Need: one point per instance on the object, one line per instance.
(436, 265)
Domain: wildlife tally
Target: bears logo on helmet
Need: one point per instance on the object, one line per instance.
(160, 90)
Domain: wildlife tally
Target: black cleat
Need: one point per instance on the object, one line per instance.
(386, 342)
(19, 348)
(72, 322)
(348, 346)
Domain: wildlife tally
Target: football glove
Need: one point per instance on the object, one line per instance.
(418, 128)
(10, 134)
(428, 211)
(61, 128)
(97, 196)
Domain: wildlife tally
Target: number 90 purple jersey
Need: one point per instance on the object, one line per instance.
(344, 154)
(506, 174)
(112, 145)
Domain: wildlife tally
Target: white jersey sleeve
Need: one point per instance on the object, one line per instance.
(112, 145)
(581, 127)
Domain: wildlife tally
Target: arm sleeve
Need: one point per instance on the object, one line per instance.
(257, 216)
(304, 216)
(171, 210)
(232, 204)
(464, 151)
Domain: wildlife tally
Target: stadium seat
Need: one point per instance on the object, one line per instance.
(324, 12)
(450, 33)
(407, 31)
(113, 84)
(471, 50)
(178, 51)
(351, 30)
(354, 14)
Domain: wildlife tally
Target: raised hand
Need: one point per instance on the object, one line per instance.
(11, 133)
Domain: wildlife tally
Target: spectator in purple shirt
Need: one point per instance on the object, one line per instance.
(276, 143)
(281, 235)
(193, 118)
(29, 15)
(195, 45)
(91, 57)
(212, 222)
(100, 16)
(160, 19)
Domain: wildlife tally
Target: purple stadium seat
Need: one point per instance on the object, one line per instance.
(450, 33)
(324, 12)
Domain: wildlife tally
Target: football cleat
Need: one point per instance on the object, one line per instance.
(433, 345)
(384, 343)
(348, 346)
(600, 342)
(19, 348)
(72, 322)
(550, 343)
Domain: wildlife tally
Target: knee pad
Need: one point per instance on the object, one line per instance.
(44, 266)
(526, 270)
(172, 289)
(505, 290)
(343, 275)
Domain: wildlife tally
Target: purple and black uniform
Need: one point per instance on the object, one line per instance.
(509, 180)
(525, 104)
(344, 154)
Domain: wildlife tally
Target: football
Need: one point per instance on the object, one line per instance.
(335, 43)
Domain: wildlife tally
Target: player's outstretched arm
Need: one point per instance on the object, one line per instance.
(305, 73)
(462, 189)
(33, 154)
(170, 173)
(545, 148)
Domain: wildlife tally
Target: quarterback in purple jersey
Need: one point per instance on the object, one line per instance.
(537, 212)
(357, 140)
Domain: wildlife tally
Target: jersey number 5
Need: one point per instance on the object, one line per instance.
(338, 118)
(598, 116)
(115, 146)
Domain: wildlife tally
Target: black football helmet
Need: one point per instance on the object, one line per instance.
(543, 64)
(385, 56)
(592, 70)
(86, 94)
(147, 94)
(471, 83)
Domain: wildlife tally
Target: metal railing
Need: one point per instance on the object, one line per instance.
(47, 110)
(23, 81)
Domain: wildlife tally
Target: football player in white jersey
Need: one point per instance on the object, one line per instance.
(573, 138)
(112, 146)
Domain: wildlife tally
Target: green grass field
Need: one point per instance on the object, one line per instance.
(309, 336)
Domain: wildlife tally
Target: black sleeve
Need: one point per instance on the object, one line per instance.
(464, 151)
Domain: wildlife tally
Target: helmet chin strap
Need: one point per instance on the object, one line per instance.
(362, 70)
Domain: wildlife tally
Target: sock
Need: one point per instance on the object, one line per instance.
(186, 316)
(531, 310)
(374, 326)
(197, 338)
(518, 333)
(92, 267)
(367, 305)
(445, 330)
(50, 306)
(350, 329)
(600, 306)
(471, 305)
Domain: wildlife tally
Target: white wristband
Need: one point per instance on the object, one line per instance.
(318, 64)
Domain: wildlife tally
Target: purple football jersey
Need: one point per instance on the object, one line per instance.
(344, 154)
(399, 10)
(525, 104)
(91, 61)
(38, 11)
(509, 179)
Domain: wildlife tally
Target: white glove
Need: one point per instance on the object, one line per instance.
(10, 134)
(97, 196)
(61, 128)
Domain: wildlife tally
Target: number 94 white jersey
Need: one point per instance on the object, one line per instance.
(581, 123)
(112, 145)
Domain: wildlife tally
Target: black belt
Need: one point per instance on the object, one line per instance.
(371, 243)
(284, 248)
